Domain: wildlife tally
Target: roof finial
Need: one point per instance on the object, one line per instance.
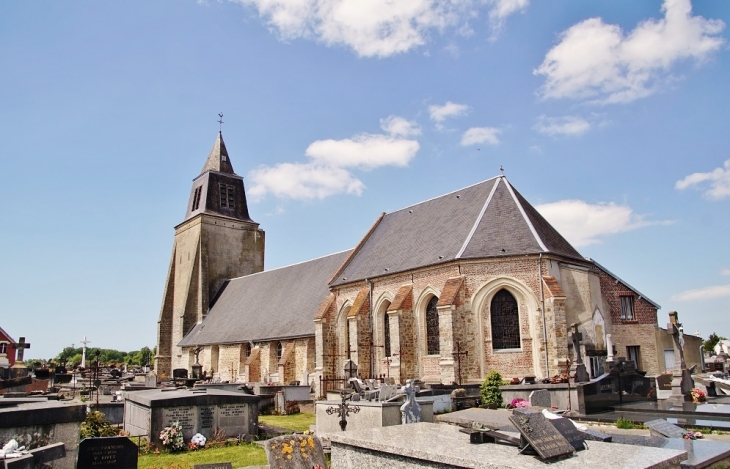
(220, 122)
(501, 169)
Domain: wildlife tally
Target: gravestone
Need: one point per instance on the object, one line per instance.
(540, 398)
(540, 434)
(661, 427)
(682, 382)
(150, 380)
(116, 452)
(578, 371)
(567, 428)
(295, 452)
(218, 465)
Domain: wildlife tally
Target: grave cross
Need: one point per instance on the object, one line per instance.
(675, 329)
(84, 343)
(575, 338)
(20, 348)
(196, 352)
(458, 355)
(343, 409)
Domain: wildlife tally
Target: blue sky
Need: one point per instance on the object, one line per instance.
(610, 116)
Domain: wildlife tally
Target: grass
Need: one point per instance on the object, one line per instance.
(245, 454)
(296, 422)
(239, 456)
(625, 424)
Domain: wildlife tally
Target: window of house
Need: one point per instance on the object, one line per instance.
(196, 198)
(505, 318)
(4, 348)
(279, 350)
(386, 333)
(632, 353)
(432, 327)
(627, 307)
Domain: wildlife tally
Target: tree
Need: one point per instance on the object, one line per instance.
(709, 345)
(489, 390)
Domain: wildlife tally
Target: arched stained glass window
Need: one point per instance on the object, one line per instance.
(505, 321)
(279, 350)
(432, 327)
(386, 333)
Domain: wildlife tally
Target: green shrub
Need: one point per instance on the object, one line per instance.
(625, 424)
(96, 425)
(489, 389)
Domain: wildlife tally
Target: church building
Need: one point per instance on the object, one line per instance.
(445, 290)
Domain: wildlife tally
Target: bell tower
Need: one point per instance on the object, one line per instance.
(216, 241)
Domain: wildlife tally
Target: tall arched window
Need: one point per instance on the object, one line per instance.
(505, 321)
(248, 349)
(386, 333)
(432, 327)
(279, 350)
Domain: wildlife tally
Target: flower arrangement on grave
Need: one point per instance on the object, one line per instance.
(172, 437)
(690, 435)
(518, 402)
(197, 442)
(698, 395)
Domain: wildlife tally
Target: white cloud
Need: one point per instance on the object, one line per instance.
(302, 181)
(598, 61)
(718, 178)
(331, 161)
(500, 10)
(724, 271)
(399, 127)
(584, 224)
(376, 28)
(442, 112)
(364, 151)
(706, 293)
(566, 125)
(477, 135)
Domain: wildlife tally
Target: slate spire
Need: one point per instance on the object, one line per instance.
(218, 159)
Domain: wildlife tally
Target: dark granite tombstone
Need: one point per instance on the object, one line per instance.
(540, 434)
(574, 436)
(112, 452)
(664, 382)
(661, 427)
(623, 384)
(218, 465)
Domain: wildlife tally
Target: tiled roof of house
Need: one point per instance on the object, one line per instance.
(488, 219)
(274, 304)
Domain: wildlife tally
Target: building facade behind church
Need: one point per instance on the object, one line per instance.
(445, 290)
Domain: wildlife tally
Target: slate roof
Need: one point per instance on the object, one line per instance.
(488, 219)
(218, 159)
(274, 304)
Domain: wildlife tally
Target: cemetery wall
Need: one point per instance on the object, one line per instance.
(691, 349)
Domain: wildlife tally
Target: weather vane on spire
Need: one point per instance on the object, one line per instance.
(220, 122)
(501, 169)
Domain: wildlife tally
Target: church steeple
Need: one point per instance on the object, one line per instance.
(218, 190)
(218, 159)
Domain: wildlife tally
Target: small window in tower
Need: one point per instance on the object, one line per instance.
(196, 198)
(223, 196)
(231, 198)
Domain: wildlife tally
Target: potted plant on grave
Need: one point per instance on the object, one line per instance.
(489, 390)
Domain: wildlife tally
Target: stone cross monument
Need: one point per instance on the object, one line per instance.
(682, 382)
(578, 373)
(84, 343)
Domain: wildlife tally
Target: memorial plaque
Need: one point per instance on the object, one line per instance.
(186, 415)
(541, 434)
(597, 436)
(206, 417)
(231, 415)
(661, 427)
(664, 382)
(116, 452)
(574, 436)
(218, 465)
